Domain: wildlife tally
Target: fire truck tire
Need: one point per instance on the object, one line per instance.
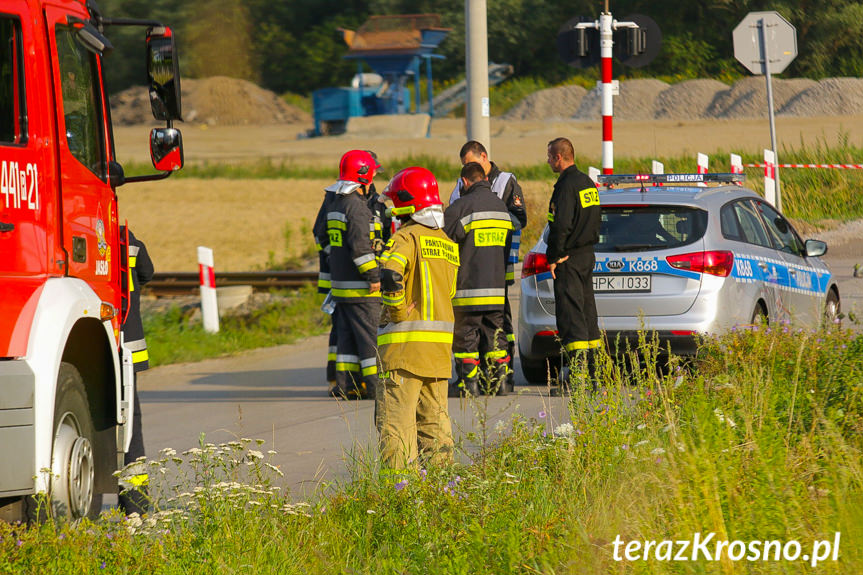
(72, 455)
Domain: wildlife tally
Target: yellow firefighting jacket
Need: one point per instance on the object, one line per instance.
(420, 267)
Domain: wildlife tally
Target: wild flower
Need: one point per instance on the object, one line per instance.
(542, 414)
(657, 451)
(401, 485)
(564, 430)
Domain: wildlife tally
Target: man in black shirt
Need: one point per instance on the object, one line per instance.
(573, 229)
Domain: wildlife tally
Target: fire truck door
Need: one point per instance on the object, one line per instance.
(89, 222)
(23, 244)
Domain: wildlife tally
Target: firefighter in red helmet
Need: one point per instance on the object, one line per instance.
(354, 275)
(420, 266)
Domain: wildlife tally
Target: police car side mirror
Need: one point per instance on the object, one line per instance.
(815, 248)
(166, 149)
(163, 74)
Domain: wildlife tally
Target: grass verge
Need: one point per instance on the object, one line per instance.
(174, 336)
(759, 440)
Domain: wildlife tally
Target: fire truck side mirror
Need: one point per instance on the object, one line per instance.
(163, 73)
(166, 149)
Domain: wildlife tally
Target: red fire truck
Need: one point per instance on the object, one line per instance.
(65, 376)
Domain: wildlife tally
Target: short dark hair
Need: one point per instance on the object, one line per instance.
(563, 147)
(473, 172)
(474, 148)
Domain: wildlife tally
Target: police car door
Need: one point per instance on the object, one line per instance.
(801, 292)
(757, 271)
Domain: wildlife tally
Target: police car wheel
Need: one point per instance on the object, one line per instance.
(72, 457)
(759, 315)
(536, 372)
(832, 308)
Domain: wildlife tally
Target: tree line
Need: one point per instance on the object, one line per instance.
(295, 46)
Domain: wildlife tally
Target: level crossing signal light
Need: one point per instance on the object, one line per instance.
(637, 41)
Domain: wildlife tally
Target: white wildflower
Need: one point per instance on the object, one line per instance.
(272, 452)
(371, 511)
(168, 452)
(657, 451)
(276, 469)
(642, 442)
(641, 426)
(499, 426)
(564, 430)
(254, 454)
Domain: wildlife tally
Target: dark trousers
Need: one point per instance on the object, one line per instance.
(333, 347)
(575, 305)
(510, 335)
(479, 333)
(357, 358)
(135, 501)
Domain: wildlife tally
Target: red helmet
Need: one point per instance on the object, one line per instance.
(412, 190)
(358, 166)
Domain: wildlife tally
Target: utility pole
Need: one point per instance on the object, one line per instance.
(476, 44)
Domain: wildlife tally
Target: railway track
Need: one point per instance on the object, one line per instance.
(183, 283)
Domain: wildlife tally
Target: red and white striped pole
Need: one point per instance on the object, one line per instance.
(606, 43)
(209, 303)
(770, 176)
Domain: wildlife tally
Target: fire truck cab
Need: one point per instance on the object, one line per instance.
(65, 376)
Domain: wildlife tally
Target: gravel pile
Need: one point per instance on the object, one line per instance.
(646, 99)
(829, 97)
(687, 100)
(212, 101)
(747, 98)
(551, 104)
(635, 102)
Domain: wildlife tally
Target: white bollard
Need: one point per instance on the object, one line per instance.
(703, 162)
(770, 176)
(593, 173)
(209, 303)
(657, 168)
(736, 166)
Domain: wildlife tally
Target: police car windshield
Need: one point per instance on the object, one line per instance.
(644, 228)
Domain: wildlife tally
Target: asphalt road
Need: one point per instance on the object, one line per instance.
(279, 395)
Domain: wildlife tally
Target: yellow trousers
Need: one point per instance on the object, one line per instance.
(412, 420)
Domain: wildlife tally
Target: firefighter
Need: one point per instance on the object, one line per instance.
(481, 225)
(134, 497)
(355, 275)
(324, 285)
(418, 280)
(381, 229)
(507, 188)
(573, 229)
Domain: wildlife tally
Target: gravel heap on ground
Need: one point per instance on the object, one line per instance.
(687, 100)
(647, 99)
(551, 104)
(635, 101)
(213, 101)
(829, 97)
(747, 98)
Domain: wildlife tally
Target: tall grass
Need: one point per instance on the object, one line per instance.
(178, 335)
(759, 439)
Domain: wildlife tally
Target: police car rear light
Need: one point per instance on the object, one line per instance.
(534, 263)
(717, 263)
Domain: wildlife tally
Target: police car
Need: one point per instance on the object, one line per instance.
(680, 258)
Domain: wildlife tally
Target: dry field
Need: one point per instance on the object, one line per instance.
(243, 220)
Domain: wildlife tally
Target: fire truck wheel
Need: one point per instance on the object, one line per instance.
(72, 458)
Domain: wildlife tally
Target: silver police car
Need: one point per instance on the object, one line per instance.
(680, 258)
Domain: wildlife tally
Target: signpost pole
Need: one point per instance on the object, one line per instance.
(762, 27)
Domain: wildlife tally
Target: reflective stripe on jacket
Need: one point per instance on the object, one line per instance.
(419, 340)
(481, 225)
(352, 261)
